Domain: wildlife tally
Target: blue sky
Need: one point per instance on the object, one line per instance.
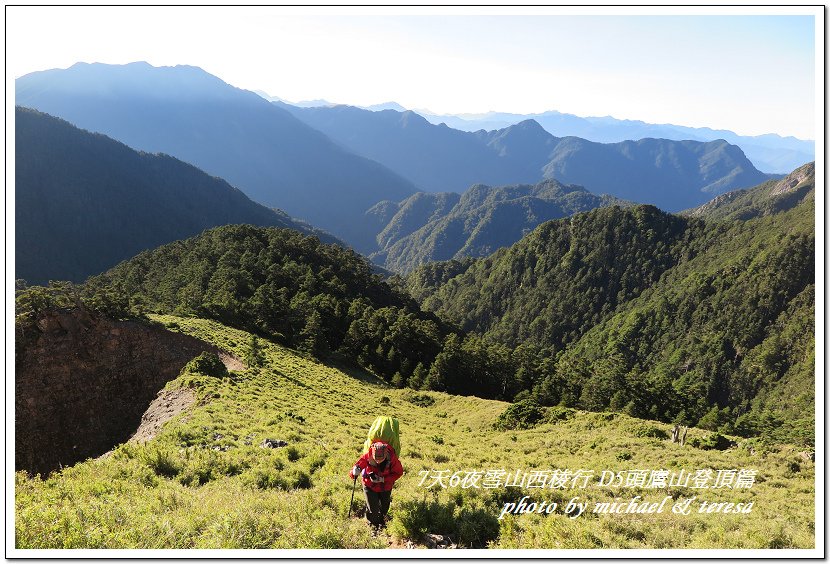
(749, 73)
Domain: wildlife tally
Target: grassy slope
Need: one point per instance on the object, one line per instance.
(137, 497)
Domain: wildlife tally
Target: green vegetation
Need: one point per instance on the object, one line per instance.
(520, 415)
(430, 227)
(321, 299)
(657, 316)
(560, 280)
(769, 198)
(182, 490)
(605, 330)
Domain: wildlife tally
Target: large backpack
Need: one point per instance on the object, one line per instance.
(384, 429)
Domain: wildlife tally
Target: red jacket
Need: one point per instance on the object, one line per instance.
(391, 469)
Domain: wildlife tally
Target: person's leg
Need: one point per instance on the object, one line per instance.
(373, 506)
(385, 499)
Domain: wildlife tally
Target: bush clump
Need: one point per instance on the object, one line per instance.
(207, 363)
(650, 431)
(293, 454)
(520, 415)
(266, 479)
(476, 527)
(715, 441)
(558, 413)
(467, 526)
(421, 400)
(163, 462)
(414, 519)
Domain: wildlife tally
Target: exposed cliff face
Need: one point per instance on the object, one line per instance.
(83, 382)
(795, 180)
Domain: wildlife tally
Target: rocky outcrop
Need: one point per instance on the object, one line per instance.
(715, 203)
(83, 381)
(795, 179)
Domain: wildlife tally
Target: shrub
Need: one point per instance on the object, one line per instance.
(207, 363)
(162, 461)
(522, 415)
(421, 400)
(476, 527)
(297, 479)
(266, 479)
(254, 356)
(316, 462)
(437, 439)
(414, 519)
(293, 454)
(650, 431)
(715, 441)
(558, 413)
(468, 526)
(295, 417)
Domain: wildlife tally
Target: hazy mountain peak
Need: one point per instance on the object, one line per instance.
(138, 78)
(316, 103)
(527, 128)
(384, 106)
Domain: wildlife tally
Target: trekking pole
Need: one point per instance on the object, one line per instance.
(354, 485)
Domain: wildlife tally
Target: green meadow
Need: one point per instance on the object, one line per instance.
(204, 481)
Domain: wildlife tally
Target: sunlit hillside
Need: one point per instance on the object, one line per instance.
(205, 481)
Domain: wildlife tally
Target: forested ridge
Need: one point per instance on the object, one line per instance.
(700, 321)
(429, 227)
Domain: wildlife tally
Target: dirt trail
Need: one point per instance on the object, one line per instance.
(167, 405)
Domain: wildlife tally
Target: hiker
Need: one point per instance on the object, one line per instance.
(379, 469)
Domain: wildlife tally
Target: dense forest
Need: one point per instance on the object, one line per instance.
(699, 321)
(430, 227)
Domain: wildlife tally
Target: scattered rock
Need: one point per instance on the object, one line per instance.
(438, 541)
(273, 443)
(809, 456)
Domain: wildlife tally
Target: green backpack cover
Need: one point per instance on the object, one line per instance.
(384, 429)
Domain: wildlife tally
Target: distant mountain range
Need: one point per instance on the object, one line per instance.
(84, 202)
(672, 175)
(258, 147)
(329, 165)
(429, 227)
(769, 153)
